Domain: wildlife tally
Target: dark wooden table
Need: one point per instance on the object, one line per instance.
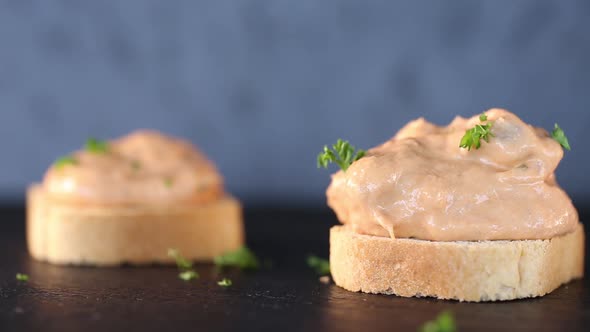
(287, 297)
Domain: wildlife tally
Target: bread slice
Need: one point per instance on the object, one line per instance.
(462, 270)
(72, 233)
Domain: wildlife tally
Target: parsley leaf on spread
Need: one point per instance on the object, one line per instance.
(188, 275)
(136, 165)
(242, 258)
(168, 182)
(225, 282)
(320, 265)
(473, 136)
(444, 322)
(560, 137)
(181, 262)
(22, 277)
(342, 153)
(65, 160)
(96, 146)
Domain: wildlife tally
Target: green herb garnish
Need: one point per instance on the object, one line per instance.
(22, 277)
(320, 265)
(225, 282)
(342, 153)
(64, 161)
(473, 136)
(444, 322)
(188, 275)
(168, 182)
(96, 146)
(560, 137)
(181, 262)
(242, 258)
(136, 165)
(184, 265)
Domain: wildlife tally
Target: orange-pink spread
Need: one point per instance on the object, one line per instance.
(421, 184)
(143, 167)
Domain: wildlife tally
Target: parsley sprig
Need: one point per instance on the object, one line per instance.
(560, 137)
(320, 265)
(242, 258)
(188, 275)
(473, 136)
(96, 146)
(136, 165)
(342, 153)
(22, 277)
(181, 262)
(225, 282)
(184, 265)
(92, 145)
(64, 161)
(444, 322)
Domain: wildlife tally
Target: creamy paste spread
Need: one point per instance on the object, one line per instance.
(143, 167)
(420, 184)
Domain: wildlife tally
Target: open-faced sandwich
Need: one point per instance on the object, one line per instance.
(471, 212)
(129, 201)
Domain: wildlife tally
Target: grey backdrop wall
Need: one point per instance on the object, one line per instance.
(262, 85)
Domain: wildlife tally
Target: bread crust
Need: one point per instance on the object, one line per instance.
(461, 270)
(62, 232)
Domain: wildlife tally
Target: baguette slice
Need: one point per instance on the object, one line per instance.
(462, 270)
(68, 233)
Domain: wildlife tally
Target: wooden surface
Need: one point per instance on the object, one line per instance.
(287, 297)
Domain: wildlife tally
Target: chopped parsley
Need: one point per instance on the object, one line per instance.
(242, 258)
(560, 137)
(320, 265)
(168, 182)
(225, 282)
(96, 146)
(188, 275)
(136, 165)
(184, 265)
(92, 145)
(64, 161)
(342, 153)
(473, 136)
(181, 262)
(22, 277)
(444, 322)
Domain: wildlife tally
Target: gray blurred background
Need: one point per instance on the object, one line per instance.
(262, 85)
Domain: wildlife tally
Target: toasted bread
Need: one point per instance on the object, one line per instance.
(62, 232)
(462, 270)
